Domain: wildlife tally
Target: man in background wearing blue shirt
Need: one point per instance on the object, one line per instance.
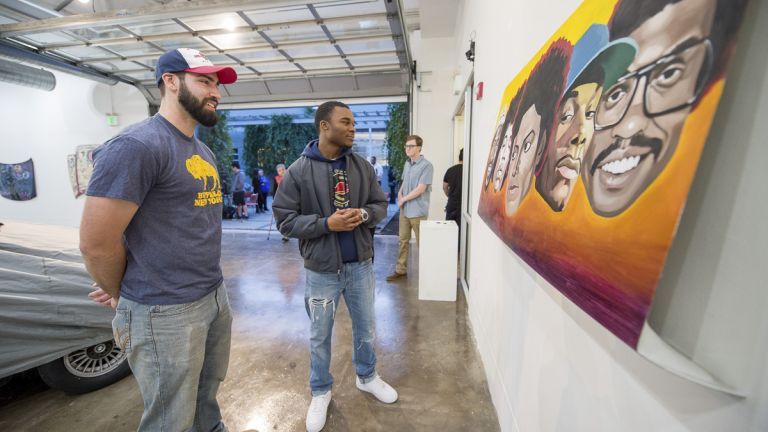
(413, 200)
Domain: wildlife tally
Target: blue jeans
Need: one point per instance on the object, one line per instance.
(356, 282)
(179, 356)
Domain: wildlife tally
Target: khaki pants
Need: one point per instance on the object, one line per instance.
(406, 225)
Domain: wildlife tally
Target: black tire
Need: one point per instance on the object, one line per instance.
(86, 369)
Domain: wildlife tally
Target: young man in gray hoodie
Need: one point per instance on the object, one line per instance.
(330, 199)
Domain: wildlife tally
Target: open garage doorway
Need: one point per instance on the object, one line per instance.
(260, 139)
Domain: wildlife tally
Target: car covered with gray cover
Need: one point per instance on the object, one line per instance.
(47, 321)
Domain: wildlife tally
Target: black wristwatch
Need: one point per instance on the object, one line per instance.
(364, 215)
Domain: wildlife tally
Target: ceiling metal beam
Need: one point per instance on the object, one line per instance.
(191, 32)
(318, 72)
(315, 73)
(377, 125)
(394, 71)
(14, 14)
(399, 35)
(258, 119)
(328, 34)
(323, 73)
(249, 48)
(147, 95)
(305, 96)
(62, 5)
(333, 71)
(276, 60)
(286, 45)
(153, 13)
(315, 102)
(42, 9)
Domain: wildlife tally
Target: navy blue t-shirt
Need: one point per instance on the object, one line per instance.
(341, 201)
(174, 240)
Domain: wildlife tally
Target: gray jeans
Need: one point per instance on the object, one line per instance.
(179, 355)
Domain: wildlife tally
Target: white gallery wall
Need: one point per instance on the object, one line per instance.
(47, 126)
(551, 367)
(432, 106)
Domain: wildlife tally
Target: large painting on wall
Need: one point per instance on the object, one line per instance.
(17, 181)
(596, 144)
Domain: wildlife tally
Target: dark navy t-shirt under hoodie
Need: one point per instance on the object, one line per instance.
(340, 195)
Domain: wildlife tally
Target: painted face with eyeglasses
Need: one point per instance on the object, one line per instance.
(639, 119)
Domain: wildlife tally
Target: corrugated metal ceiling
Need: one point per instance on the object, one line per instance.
(281, 49)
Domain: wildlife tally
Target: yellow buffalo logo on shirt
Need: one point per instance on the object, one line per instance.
(200, 169)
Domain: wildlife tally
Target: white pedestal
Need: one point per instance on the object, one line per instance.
(438, 255)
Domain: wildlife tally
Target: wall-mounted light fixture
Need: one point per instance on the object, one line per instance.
(471, 51)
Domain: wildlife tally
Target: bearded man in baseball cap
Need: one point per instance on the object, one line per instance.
(151, 240)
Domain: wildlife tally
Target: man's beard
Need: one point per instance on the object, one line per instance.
(196, 108)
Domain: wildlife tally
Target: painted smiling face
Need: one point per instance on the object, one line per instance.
(641, 117)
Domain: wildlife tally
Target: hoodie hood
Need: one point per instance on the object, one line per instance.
(312, 151)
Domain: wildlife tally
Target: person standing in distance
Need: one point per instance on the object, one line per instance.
(452, 189)
(238, 191)
(413, 200)
(280, 169)
(377, 168)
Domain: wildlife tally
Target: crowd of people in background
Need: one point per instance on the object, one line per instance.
(241, 192)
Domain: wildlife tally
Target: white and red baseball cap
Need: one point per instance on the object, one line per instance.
(191, 60)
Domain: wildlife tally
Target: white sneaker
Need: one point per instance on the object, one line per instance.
(377, 387)
(318, 410)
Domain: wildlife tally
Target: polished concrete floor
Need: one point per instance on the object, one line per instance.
(425, 350)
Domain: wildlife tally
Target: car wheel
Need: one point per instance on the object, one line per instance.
(86, 369)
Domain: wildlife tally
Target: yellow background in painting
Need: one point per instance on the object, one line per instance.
(590, 12)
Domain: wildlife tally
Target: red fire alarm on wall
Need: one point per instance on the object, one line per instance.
(479, 91)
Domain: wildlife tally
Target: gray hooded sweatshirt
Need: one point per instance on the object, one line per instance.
(304, 201)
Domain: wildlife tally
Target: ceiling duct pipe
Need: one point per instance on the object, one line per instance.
(15, 73)
(26, 56)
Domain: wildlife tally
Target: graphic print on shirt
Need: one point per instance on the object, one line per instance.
(340, 189)
(201, 169)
